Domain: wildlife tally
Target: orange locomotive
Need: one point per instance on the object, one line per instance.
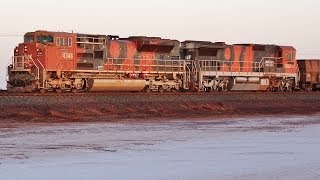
(59, 61)
(253, 67)
(70, 62)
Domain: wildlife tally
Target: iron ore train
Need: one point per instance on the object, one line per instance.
(71, 62)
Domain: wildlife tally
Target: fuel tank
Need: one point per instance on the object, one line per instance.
(100, 85)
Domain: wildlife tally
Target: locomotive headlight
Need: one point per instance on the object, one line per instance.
(39, 52)
(17, 50)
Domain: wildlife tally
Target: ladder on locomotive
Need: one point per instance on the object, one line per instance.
(187, 67)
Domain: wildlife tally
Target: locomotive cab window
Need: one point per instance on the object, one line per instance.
(45, 39)
(69, 42)
(63, 41)
(29, 39)
(290, 56)
(58, 41)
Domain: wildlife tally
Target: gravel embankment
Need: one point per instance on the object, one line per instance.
(104, 107)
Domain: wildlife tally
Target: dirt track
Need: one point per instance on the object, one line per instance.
(136, 107)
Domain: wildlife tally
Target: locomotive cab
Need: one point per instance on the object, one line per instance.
(40, 51)
(24, 71)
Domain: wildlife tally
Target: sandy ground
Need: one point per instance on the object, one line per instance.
(264, 147)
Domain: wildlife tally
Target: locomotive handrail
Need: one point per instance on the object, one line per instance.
(12, 62)
(263, 60)
(40, 63)
(187, 74)
(158, 65)
(19, 63)
(249, 66)
(217, 65)
(38, 69)
(298, 74)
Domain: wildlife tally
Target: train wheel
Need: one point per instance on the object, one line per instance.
(74, 90)
(174, 90)
(42, 90)
(58, 90)
(148, 90)
(308, 88)
(161, 90)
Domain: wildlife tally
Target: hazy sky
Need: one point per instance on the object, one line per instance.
(284, 22)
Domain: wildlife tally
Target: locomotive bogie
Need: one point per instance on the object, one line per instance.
(216, 84)
(164, 86)
(62, 85)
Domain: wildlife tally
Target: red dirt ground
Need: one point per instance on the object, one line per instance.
(137, 107)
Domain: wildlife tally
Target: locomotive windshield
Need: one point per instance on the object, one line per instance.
(29, 39)
(45, 39)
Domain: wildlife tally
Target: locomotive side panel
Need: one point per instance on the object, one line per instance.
(91, 51)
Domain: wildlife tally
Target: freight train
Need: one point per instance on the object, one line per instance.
(72, 62)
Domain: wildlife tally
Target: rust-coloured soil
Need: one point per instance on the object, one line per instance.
(145, 107)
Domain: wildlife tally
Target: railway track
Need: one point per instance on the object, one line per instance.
(5, 93)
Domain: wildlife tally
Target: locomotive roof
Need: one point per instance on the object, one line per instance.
(159, 40)
(144, 40)
(203, 44)
(280, 46)
(147, 38)
(308, 59)
(49, 32)
(66, 33)
(91, 35)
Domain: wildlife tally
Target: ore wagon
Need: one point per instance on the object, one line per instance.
(309, 74)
